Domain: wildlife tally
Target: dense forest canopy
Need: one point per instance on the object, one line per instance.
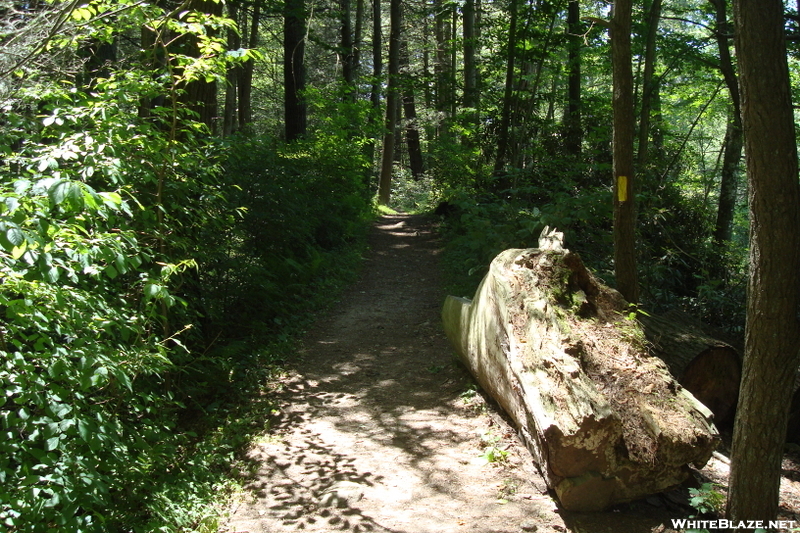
(181, 183)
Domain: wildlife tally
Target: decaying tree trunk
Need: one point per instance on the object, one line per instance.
(709, 368)
(604, 420)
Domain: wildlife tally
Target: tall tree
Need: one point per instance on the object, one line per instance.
(358, 35)
(245, 82)
(377, 54)
(410, 113)
(347, 50)
(392, 101)
(573, 134)
(444, 68)
(772, 332)
(294, 70)
(624, 124)
(648, 81)
(734, 136)
(504, 135)
(471, 92)
(201, 94)
(229, 114)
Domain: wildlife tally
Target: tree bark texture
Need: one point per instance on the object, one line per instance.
(625, 268)
(294, 70)
(772, 332)
(709, 368)
(392, 102)
(605, 421)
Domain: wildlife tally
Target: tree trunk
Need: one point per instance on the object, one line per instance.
(392, 101)
(709, 368)
(734, 137)
(657, 129)
(647, 85)
(410, 113)
(246, 72)
(229, 114)
(294, 71)
(624, 189)
(415, 158)
(605, 422)
(772, 333)
(572, 117)
(377, 56)
(729, 181)
(358, 36)
(504, 134)
(471, 94)
(443, 68)
(348, 67)
(201, 95)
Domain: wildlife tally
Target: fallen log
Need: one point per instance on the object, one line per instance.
(604, 420)
(709, 368)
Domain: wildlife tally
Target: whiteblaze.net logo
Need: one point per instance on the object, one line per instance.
(758, 525)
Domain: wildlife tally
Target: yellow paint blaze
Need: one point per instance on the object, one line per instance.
(622, 188)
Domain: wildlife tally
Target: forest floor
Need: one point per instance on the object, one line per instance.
(380, 429)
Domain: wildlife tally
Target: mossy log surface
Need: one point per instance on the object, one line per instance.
(604, 420)
(709, 368)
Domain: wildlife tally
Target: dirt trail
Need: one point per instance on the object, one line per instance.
(380, 430)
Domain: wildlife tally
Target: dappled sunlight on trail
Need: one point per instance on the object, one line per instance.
(379, 429)
(374, 432)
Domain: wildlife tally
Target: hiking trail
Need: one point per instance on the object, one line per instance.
(380, 429)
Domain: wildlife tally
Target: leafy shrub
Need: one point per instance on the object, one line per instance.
(300, 205)
(411, 195)
(81, 306)
(97, 210)
(486, 223)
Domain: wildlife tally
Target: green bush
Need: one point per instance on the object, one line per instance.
(301, 206)
(97, 212)
(483, 223)
(84, 415)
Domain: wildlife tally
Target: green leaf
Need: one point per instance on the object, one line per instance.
(51, 274)
(30, 480)
(12, 204)
(19, 251)
(152, 290)
(123, 378)
(61, 410)
(110, 271)
(52, 443)
(85, 430)
(59, 191)
(15, 235)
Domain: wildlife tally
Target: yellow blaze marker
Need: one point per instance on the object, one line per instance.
(622, 188)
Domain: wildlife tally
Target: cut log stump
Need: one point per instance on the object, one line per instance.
(604, 420)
